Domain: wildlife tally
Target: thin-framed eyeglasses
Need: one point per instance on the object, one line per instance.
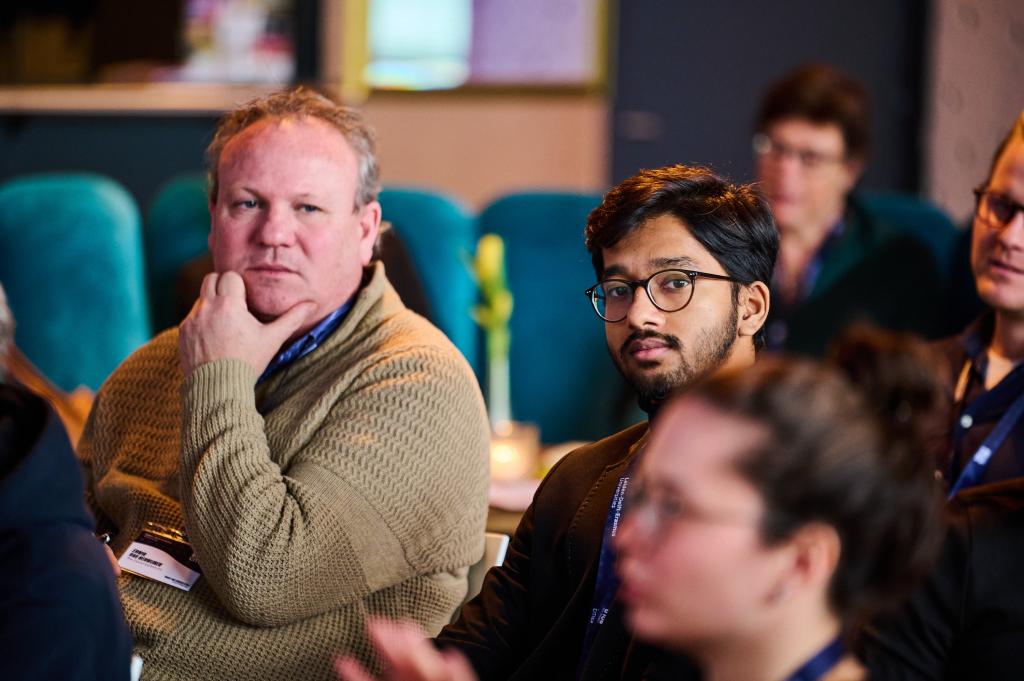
(656, 512)
(995, 208)
(810, 159)
(668, 290)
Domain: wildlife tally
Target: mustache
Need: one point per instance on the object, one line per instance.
(670, 341)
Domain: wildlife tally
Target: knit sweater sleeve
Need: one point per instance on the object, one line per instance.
(388, 483)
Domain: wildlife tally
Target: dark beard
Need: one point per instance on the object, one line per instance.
(712, 349)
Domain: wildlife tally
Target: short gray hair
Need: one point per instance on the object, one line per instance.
(298, 103)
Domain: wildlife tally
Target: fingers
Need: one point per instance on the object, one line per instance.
(350, 670)
(224, 284)
(113, 560)
(457, 666)
(209, 287)
(406, 653)
(230, 284)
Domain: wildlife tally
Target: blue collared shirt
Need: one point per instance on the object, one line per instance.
(309, 341)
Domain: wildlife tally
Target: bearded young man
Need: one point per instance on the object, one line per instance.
(682, 258)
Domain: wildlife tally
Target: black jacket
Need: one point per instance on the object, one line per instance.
(967, 621)
(530, 617)
(60, 617)
(873, 273)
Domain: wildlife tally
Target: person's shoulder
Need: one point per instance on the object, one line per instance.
(589, 460)
(396, 338)
(158, 352)
(153, 369)
(883, 236)
(385, 324)
(994, 504)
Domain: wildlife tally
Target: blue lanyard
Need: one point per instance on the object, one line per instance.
(607, 581)
(821, 663)
(975, 468)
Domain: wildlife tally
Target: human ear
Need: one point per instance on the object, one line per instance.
(369, 228)
(753, 305)
(810, 558)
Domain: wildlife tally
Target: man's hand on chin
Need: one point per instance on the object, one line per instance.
(220, 326)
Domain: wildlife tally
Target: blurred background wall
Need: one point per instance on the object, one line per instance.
(975, 87)
(681, 83)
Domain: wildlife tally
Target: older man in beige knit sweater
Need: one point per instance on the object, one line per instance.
(310, 446)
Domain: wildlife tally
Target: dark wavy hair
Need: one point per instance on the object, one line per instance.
(844, 448)
(731, 221)
(821, 94)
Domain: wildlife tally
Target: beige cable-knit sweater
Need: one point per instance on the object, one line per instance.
(352, 482)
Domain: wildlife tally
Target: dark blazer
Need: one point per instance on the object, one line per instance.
(530, 617)
(874, 273)
(967, 621)
(60, 617)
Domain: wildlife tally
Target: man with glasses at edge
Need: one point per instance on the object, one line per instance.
(967, 621)
(838, 263)
(682, 258)
(986, 427)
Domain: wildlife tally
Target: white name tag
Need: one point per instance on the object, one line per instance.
(161, 558)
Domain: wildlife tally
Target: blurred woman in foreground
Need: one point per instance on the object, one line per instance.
(777, 509)
(773, 511)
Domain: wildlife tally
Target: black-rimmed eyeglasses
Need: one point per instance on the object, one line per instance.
(995, 208)
(669, 290)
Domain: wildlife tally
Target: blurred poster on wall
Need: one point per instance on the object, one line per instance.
(238, 41)
(444, 44)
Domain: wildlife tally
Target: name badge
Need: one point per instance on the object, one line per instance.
(163, 555)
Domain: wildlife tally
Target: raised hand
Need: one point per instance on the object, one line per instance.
(407, 656)
(220, 326)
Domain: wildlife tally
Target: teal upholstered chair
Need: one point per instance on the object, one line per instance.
(71, 263)
(561, 376)
(439, 236)
(177, 224)
(918, 217)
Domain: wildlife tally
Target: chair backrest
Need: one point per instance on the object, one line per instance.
(439, 236)
(71, 263)
(919, 217)
(177, 224)
(495, 547)
(561, 376)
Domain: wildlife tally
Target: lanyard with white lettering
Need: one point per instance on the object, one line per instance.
(974, 470)
(607, 582)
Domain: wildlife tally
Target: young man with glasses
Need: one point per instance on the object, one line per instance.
(967, 621)
(837, 262)
(682, 259)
